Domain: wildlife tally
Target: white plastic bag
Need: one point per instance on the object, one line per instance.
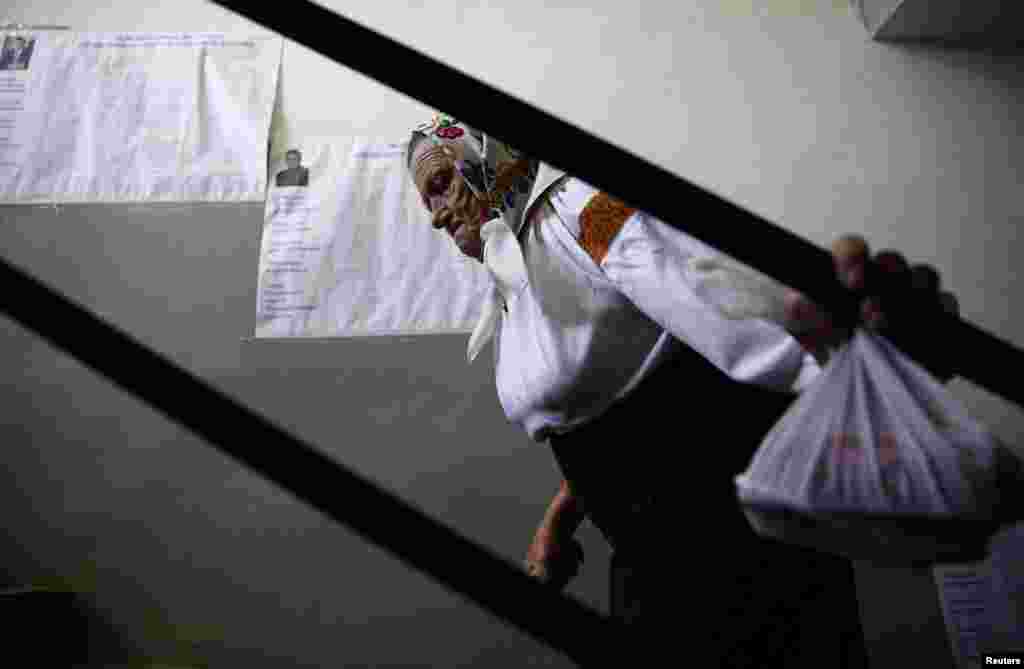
(876, 459)
(873, 461)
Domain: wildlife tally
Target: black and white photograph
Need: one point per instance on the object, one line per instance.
(295, 174)
(17, 52)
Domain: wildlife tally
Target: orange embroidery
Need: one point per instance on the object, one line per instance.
(600, 221)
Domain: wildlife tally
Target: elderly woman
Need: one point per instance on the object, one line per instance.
(595, 324)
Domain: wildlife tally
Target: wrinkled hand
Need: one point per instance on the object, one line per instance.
(552, 559)
(895, 300)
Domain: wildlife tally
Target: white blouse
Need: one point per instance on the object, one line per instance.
(572, 337)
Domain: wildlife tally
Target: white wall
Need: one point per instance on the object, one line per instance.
(787, 108)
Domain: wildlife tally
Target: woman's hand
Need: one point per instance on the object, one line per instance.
(896, 298)
(552, 558)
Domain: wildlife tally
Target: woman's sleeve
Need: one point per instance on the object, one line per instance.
(653, 265)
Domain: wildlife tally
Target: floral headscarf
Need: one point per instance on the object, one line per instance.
(503, 178)
(493, 170)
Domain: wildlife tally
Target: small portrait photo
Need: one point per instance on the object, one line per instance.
(16, 52)
(296, 174)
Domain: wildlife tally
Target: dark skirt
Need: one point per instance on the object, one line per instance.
(689, 576)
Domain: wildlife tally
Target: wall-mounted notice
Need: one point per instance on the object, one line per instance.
(135, 117)
(965, 596)
(348, 249)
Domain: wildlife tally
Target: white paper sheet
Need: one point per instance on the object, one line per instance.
(965, 596)
(1007, 605)
(352, 252)
(136, 117)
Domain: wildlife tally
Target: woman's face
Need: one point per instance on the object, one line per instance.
(452, 205)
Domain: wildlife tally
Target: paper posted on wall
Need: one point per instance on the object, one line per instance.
(348, 250)
(135, 117)
(965, 594)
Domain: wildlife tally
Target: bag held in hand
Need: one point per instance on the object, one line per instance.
(876, 460)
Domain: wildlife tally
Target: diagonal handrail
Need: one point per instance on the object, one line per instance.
(415, 538)
(737, 232)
